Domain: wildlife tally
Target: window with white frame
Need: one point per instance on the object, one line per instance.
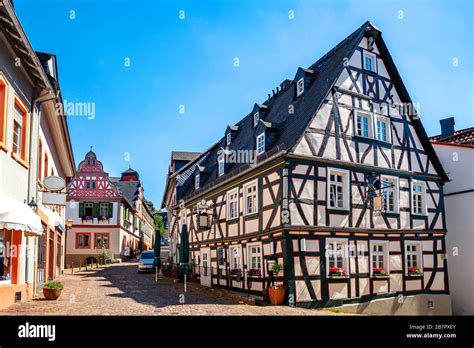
(370, 61)
(300, 87)
(336, 256)
(255, 257)
(197, 180)
(235, 257)
(418, 192)
(250, 198)
(260, 144)
(363, 122)
(220, 166)
(229, 138)
(338, 188)
(233, 204)
(256, 119)
(382, 126)
(413, 255)
(379, 257)
(390, 194)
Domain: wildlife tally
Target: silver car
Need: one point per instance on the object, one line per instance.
(145, 263)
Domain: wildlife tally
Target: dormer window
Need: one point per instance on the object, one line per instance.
(370, 61)
(220, 166)
(197, 180)
(260, 144)
(256, 118)
(228, 139)
(300, 87)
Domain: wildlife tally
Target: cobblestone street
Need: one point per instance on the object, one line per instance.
(119, 290)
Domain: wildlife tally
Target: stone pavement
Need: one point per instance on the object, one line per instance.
(119, 290)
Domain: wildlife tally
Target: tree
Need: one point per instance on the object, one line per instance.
(159, 225)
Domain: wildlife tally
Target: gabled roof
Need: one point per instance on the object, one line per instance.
(324, 73)
(460, 137)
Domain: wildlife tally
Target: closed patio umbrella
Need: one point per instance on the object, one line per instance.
(183, 251)
(157, 249)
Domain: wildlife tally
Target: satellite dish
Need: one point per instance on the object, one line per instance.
(54, 183)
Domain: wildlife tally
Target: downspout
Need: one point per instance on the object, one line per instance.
(35, 103)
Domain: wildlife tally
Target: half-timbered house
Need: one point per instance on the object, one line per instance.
(108, 214)
(332, 176)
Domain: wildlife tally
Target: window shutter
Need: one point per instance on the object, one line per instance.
(81, 209)
(95, 209)
(110, 210)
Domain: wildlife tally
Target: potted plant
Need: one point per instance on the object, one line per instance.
(379, 272)
(336, 272)
(414, 271)
(52, 289)
(276, 292)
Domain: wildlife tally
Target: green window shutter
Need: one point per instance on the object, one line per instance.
(110, 210)
(81, 209)
(95, 209)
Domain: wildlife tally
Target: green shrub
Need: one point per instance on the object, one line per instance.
(53, 284)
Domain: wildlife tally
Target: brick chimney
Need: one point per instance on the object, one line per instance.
(447, 127)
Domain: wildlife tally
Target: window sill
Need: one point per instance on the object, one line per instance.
(391, 213)
(20, 160)
(370, 72)
(414, 275)
(381, 277)
(419, 215)
(234, 219)
(4, 147)
(5, 282)
(251, 215)
(338, 277)
(337, 210)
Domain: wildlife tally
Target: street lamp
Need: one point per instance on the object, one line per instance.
(33, 205)
(69, 223)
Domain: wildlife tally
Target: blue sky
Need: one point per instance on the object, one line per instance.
(190, 62)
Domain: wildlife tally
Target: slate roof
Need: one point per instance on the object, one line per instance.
(286, 129)
(184, 155)
(129, 190)
(460, 137)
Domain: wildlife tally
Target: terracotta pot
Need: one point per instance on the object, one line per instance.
(277, 296)
(52, 294)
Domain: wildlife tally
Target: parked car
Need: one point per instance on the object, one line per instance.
(145, 262)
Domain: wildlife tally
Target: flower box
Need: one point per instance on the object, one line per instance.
(380, 273)
(414, 272)
(337, 273)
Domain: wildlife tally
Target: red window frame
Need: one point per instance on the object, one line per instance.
(102, 239)
(3, 112)
(83, 234)
(25, 129)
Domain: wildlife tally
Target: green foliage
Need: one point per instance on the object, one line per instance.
(277, 268)
(105, 255)
(53, 284)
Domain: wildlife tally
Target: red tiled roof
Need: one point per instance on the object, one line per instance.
(460, 137)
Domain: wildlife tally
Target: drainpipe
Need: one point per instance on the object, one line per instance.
(36, 104)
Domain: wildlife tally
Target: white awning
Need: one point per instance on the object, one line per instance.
(15, 215)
